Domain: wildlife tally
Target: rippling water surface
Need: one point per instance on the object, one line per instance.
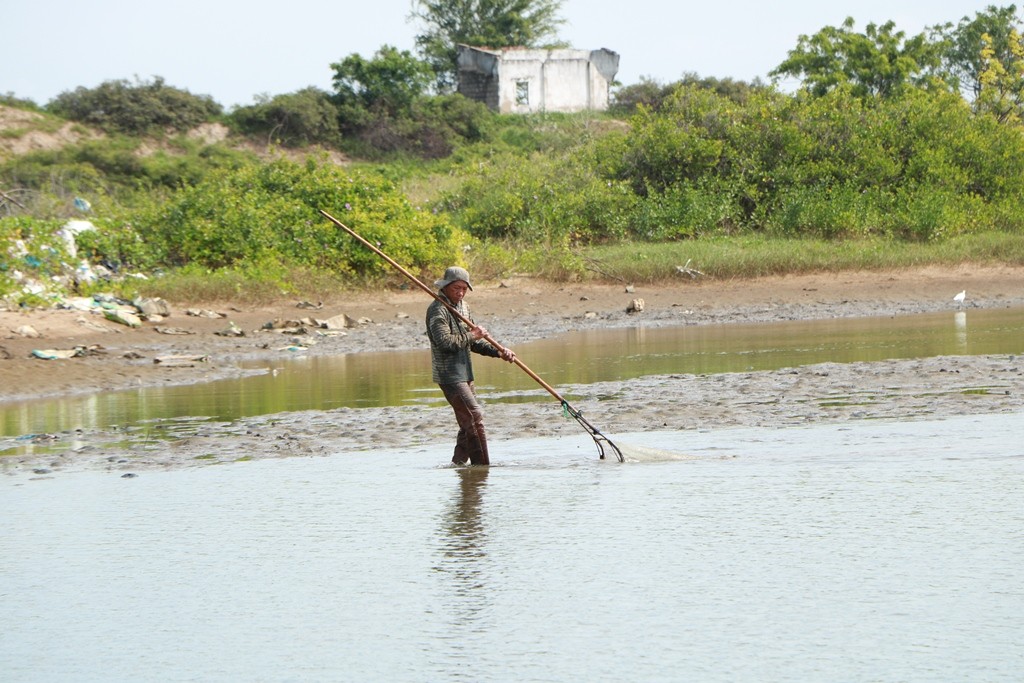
(889, 552)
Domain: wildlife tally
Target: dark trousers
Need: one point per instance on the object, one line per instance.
(471, 443)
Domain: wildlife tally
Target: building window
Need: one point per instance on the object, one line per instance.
(523, 92)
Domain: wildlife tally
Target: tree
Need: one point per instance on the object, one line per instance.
(384, 108)
(481, 23)
(962, 45)
(386, 84)
(1001, 82)
(879, 61)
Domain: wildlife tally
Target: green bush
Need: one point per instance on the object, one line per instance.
(135, 108)
(268, 212)
(687, 211)
(53, 172)
(493, 200)
(117, 244)
(430, 128)
(298, 119)
(389, 82)
(645, 94)
(829, 212)
(39, 249)
(652, 95)
(916, 166)
(540, 199)
(9, 99)
(115, 170)
(682, 143)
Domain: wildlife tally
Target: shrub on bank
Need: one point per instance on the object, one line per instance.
(262, 219)
(918, 166)
(269, 212)
(116, 170)
(135, 108)
(305, 117)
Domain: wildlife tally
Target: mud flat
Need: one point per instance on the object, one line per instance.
(515, 311)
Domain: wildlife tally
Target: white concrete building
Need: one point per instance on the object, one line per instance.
(521, 80)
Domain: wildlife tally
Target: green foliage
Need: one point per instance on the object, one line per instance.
(481, 23)
(543, 200)
(916, 165)
(1002, 80)
(682, 142)
(114, 170)
(11, 100)
(385, 85)
(298, 119)
(135, 108)
(880, 61)
(490, 259)
(432, 129)
(36, 256)
(493, 200)
(250, 282)
(55, 172)
(453, 118)
(746, 256)
(547, 132)
(117, 244)
(647, 93)
(827, 211)
(687, 211)
(384, 112)
(961, 46)
(263, 213)
(650, 94)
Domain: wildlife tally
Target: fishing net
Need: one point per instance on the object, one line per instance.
(637, 453)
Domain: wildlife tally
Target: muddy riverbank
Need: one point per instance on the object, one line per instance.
(515, 311)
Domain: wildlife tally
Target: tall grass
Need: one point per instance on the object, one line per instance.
(249, 286)
(755, 256)
(725, 258)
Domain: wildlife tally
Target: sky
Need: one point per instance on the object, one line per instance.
(236, 51)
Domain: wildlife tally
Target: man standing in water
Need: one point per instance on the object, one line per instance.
(450, 345)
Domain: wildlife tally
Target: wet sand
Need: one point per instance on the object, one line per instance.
(514, 311)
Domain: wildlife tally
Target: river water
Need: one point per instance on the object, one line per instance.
(889, 552)
(401, 378)
(867, 551)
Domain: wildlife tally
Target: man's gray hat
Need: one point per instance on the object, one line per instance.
(452, 274)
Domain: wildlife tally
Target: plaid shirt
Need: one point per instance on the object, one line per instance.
(450, 344)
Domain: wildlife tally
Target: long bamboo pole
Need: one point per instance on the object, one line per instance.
(599, 438)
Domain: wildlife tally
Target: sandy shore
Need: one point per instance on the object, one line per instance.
(515, 311)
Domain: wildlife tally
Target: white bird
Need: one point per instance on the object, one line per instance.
(959, 298)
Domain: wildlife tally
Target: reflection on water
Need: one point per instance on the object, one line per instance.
(960, 321)
(396, 378)
(462, 564)
(865, 552)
